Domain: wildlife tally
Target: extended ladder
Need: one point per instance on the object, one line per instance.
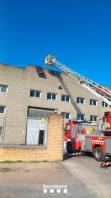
(76, 107)
(100, 91)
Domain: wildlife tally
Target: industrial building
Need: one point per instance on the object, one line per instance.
(29, 95)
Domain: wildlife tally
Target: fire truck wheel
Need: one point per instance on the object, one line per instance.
(69, 147)
(98, 154)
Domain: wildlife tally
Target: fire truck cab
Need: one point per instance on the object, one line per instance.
(76, 132)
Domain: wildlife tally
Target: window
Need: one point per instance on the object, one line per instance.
(80, 116)
(3, 88)
(51, 96)
(104, 104)
(93, 118)
(65, 98)
(67, 127)
(2, 109)
(35, 93)
(80, 100)
(66, 115)
(93, 102)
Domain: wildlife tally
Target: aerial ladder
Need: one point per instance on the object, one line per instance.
(75, 105)
(100, 91)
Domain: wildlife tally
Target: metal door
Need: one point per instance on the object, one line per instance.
(36, 131)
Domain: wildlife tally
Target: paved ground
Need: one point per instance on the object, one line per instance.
(83, 176)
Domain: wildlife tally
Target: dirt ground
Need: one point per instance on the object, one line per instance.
(26, 180)
(83, 176)
(36, 173)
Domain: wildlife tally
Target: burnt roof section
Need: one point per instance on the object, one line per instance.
(40, 72)
(54, 73)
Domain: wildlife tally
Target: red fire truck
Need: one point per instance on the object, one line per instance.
(87, 137)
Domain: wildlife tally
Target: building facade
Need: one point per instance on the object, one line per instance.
(33, 93)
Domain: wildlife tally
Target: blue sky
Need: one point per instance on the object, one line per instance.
(77, 32)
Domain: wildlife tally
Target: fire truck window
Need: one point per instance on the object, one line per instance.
(79, 129)
(68, 127)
